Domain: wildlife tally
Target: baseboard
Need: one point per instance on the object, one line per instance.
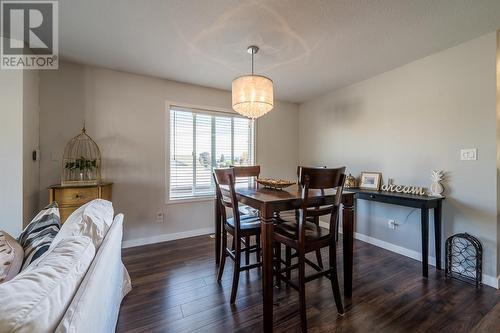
(166, 237)
(487, 279)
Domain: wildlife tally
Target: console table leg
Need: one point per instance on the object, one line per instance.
(424, 212)
(437, 233)
(218, 231)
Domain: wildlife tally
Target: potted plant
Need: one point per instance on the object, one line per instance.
(84, 166)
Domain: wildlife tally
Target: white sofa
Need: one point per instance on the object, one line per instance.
(96, 304)
(74, 287)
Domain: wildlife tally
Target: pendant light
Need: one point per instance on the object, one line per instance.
(252, 94)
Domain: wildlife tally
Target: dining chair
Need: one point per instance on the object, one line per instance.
(295, 215)
(248, 172)
(238, 226)
(305, 236)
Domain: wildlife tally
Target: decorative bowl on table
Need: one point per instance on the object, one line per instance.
(274, 184)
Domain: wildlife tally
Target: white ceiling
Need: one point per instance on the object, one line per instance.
(307, 46)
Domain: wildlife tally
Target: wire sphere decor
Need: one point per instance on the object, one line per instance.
(464, 257)
(81, 163)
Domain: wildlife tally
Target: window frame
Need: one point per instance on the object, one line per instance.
(216, 111)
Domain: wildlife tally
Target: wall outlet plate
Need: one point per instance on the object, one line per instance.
(392, 224)
(469, 154)
(160, 217)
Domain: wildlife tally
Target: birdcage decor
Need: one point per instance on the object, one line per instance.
(81, 163)
(464, 257)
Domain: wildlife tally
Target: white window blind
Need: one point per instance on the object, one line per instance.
(201, 140)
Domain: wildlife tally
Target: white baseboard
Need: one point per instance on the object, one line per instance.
(491, 281)
(166, 237)
(487, 279)
(394, 248)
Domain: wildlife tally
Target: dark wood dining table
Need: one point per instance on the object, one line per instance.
(270, 201)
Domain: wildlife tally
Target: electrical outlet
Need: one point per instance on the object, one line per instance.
(392, 224)
(160, 217)
(468, 154)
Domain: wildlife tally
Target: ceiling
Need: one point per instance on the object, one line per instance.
(307, 47)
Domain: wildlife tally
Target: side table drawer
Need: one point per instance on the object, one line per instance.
(75, 196)
(366, 196)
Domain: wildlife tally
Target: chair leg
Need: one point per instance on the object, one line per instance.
(337, 231)
(334, 279)
(277, 262)
(236, 269)
(318, 252)
(257, 243)
(319, 259)
(288, 261)
(302, 291)
(247, 252)
(223, 255)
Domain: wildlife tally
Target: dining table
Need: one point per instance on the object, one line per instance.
(271, 201)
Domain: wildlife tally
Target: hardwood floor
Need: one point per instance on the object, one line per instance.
(174, 290)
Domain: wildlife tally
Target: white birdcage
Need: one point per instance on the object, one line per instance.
(81, 164)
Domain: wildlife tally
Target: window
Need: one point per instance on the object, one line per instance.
(201, 140)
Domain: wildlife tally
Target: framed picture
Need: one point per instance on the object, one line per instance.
(370, 180)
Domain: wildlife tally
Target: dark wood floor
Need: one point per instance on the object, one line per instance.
(174, 290)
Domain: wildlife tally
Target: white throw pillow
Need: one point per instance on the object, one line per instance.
(92, 220)
(37, 298)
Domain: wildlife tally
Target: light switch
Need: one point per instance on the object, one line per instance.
(469, 154)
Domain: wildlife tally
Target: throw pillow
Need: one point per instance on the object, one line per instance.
(11, 257)
(91, 220)
(39, 234)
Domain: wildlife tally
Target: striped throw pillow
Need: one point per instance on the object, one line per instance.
(39, 234)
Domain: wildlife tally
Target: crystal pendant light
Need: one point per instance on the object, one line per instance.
(252, 94)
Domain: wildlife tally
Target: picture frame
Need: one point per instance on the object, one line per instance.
(370, 180)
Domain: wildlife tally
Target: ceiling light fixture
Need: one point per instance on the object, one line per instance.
(252, 94)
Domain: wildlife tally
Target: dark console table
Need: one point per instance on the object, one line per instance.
(424, 203)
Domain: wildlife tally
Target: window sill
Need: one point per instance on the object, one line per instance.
(189, 200)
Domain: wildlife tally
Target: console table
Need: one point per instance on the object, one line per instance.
(424, 203)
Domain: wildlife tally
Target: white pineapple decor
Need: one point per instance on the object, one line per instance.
(437, 188)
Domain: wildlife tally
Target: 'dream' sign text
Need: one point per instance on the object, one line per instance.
(403, 189)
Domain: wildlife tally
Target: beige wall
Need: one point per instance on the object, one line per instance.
(18, 138)
(125, 114)
(31, 169)
(498, 152)
(11, 149)
(408, 121)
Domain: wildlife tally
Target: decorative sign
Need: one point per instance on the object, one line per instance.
(389, 187)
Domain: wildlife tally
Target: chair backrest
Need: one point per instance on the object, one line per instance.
(226, 177)
(300, 179)
(320, 179)
(247, 171)
(299, 172)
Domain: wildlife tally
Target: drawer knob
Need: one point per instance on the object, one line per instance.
(372, 196)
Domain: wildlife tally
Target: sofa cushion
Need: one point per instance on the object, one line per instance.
(37, 298)
(39, 233)
(11, 257)
(92, 220)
